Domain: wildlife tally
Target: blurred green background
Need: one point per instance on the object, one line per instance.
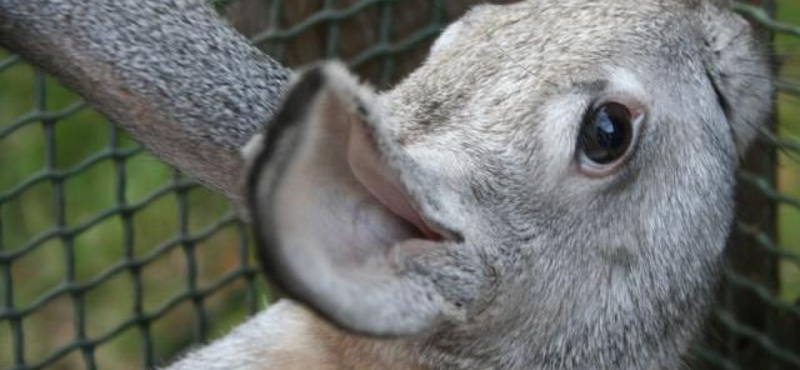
(787, 49)
(108, 167)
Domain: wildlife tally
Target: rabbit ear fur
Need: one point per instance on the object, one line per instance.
(321, 236)
(738, 68)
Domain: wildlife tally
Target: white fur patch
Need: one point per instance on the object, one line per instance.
(562, 118)
(254, 146)
(447, 37)
(622, 81)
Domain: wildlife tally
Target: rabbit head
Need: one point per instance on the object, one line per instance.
(552, 188)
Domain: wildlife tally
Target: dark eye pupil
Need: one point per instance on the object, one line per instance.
(606, 134)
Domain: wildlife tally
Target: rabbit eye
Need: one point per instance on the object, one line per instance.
(606, 136)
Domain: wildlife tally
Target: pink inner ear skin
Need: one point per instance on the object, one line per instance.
(365, 162)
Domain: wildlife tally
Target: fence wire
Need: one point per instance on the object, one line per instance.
(104, 249)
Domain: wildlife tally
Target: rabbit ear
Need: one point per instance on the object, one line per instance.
(738, 69)
(322, 237)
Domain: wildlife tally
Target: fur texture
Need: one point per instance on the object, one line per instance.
(168, 71)
(539, 266)
(549, 268)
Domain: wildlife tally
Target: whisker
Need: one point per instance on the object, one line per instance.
(501, 50)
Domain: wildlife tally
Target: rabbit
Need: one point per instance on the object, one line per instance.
(551, 189)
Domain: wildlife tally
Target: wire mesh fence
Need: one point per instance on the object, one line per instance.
(111, 259)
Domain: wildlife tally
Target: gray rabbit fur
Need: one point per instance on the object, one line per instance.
(536, 265)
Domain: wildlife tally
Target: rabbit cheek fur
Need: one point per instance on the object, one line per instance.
(546, 267)
(616, 271)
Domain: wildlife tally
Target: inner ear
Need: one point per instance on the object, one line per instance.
(334, 229)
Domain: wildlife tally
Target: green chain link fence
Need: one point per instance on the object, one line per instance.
(110, 259)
